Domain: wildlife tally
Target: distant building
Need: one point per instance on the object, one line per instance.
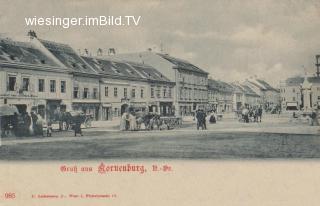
(191, 82)
(269, 96)
(244, 96)
(291, 96)
(220, 96)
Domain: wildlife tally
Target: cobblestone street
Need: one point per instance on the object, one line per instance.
(275, 137)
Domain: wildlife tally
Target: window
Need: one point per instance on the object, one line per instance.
(318, 97)
(25, 84)
(115, 92)
(106, 91)
(158, 92)
(293, 90)
(141, 93)
(293, 99)
(12, 83)
(125, 92)
(133, 93)
(75, 92)
(41, 85)
(152, 92)
(164, 92)
(63, 86)
(95, 93)
(52, 85)
(169, 92)
(85, 93)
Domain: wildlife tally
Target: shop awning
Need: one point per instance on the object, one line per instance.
(7, 110)
(292, 104)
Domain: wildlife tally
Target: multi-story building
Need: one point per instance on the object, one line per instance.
(244, 96)
(31, 80)
(220, 96)
(270, 97)
(85, 80)
(128, 84)
(191, 82)
(291, 95)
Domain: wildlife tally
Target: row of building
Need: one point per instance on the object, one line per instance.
(45, 76)
(227, 97)
(301, 93)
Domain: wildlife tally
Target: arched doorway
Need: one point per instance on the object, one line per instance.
(124, 108)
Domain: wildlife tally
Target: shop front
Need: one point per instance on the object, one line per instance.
(166, 109)
(106, 113)
(88, 108)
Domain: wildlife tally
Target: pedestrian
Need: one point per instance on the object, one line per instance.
(212, 119)
(34, 119)
(314, 118)
(123, 121)
(132, 122)
(77, 126)
(260, 113)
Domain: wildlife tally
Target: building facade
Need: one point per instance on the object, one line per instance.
(220, 96)
(292, 97)
(31, 80)
(85, 87)
(269, 96)
(191, 82)
(126, 85)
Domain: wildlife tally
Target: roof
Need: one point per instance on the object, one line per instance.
(262, 85)
(21, 52)
(297, 81)
(249, 91)
(219, 86)
(182, 64)
(124, 69)
(66, 55)
(148, 72)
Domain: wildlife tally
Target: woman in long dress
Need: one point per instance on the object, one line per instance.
(123, 121)
(132, 122)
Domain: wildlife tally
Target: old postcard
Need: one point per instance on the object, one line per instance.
(159, 102)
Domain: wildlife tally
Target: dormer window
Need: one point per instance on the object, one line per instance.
(12, 57)
(74, 65)
(43, 61)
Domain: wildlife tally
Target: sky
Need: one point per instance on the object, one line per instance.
(230, 39)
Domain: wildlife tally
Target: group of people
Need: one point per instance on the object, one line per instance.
(133, 121)
(251, 114)
(25, 124)
(128, 122)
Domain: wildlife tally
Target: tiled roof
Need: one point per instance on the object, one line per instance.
(265, 84)
(297, 81)
(148, 72)
(66, 55)
(182, 63)
(219, 85)
(124, 69)
(19, 52)
(249, 91)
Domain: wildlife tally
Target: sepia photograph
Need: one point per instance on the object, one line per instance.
(124, 85)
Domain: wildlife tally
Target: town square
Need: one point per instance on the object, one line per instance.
(131, 105)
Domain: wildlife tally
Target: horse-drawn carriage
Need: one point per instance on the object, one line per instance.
(66, 120)
(153, 121)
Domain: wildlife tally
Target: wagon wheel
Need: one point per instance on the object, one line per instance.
(87, 123)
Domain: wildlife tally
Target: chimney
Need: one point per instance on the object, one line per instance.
(32, 34)
(318, 65)
(111, 51)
